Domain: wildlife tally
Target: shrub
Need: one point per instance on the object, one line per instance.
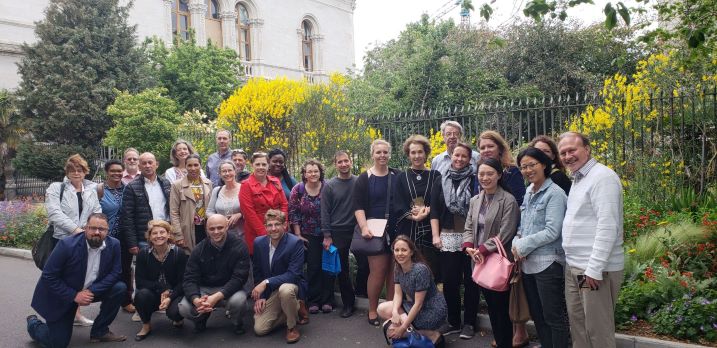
(47, 162)
(21, 224)
(688, 318)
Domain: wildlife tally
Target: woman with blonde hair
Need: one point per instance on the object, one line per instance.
(159, 273)
(371, 194)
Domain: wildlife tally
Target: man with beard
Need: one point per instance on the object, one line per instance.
(131, 165)
(82, 269)
(452, 132)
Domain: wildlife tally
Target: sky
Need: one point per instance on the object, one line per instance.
(382, 20)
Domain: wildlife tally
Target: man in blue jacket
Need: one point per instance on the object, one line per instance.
(278, 274)
(82, 269)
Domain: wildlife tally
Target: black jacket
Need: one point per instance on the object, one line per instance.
(148, 270)
(136, 211)
(209, 266)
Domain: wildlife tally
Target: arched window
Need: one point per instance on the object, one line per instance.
(180, 19)
(307, 51)
(213, 23)
(244, 37)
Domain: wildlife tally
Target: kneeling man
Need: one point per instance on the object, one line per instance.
(278, 272)
(216, 273)
(83, 268)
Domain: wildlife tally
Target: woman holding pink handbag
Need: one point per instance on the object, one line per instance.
(492, 213)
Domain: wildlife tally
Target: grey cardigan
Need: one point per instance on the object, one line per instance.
(501, 220)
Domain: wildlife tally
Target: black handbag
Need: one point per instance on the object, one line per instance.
(42, 249)
(375, 245)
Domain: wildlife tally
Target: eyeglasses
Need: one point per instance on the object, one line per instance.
(96, 228)
(131, 159)
(452, 134)
(528, 166)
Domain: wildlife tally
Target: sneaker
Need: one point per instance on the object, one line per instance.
(108, 337)
(239, 329)
(467, 332)
(82, 321)
(135, 317)
(31, 317)
(448, 329)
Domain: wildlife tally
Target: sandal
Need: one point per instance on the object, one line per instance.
(374, 321)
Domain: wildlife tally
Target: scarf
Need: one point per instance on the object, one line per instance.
(457, 200)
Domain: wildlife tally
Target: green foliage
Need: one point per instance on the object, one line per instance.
(655, 244)
(197, 78)
(47, 162)
(85, 50)
(639, 299)
(687, 318)
(10, 134)
(21, 224)
(146, 121)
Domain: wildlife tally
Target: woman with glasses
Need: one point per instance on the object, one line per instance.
(225, 199)
(538, 246)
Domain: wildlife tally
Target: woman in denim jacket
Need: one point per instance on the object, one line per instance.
(538, 246)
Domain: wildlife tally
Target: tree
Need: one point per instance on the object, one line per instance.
(146, 121)
(85, 50)
(10, 135)
(197, 78)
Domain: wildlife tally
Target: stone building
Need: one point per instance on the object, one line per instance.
(292, 38)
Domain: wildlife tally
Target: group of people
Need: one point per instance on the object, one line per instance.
(219, 235)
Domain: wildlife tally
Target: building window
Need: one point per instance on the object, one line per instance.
(180, 19)
(244, 40)
(307, 46)
(213, 24)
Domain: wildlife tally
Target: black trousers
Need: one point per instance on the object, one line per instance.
(545, 292)
(126, 260)
(321, 284)
(342, 241)
(456, 269)
(200, 232)
(498, 302)
(432, 256)
(147, 302)
(362, 272)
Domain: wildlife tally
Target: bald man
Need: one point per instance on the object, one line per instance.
(145, 198)
(216, 275)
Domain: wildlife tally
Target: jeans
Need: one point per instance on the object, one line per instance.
(147, 302)
(236, 306)
(127, 274)
(321, 284)
(545, 292)
(456, 269)
(58, 333)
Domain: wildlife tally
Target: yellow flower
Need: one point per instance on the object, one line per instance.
(631, 251)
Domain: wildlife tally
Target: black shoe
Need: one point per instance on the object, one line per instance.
(347, 311)
(200, 326)
(440, 342)
(139, 337)
(374, 321)
(239, 329)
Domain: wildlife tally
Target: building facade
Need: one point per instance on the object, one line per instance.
(293, 38)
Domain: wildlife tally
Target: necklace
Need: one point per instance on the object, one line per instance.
(418, 175)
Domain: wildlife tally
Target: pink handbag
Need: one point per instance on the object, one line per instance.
(494, 273)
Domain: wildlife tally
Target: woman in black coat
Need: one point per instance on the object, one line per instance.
(159, 273)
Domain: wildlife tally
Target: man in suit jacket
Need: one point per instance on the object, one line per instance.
(145, 198)
(82, 269)
(278, 262)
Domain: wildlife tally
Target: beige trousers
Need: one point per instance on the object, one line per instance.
(281, 307)
(592, 312)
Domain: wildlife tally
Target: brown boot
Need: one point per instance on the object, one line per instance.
(303, 314)
(292, 335)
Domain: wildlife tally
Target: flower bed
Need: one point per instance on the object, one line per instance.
(21, 223)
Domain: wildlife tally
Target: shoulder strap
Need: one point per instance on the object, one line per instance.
(62, 191)
(388, 194)
(100, 191)
(301, 190)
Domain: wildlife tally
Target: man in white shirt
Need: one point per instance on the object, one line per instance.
(592, 240)
(131, 165)
(82, 269)
(452, 132)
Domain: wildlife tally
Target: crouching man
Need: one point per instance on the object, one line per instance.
(278, 263)
(215, 275)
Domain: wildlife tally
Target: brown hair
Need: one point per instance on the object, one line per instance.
(76, 161)
(417, 257)
(506, 158)
(159, 223)
(417, 139)
(173, 151)
(256, 155)
(274, 214)
(553, 147)
(467, 147)
(314, 162)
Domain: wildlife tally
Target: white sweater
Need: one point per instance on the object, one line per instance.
(593, 225)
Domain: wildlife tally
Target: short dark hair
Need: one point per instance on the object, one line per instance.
(97, 216)
(194, 155)
(312, 162)
(341, 153)
(112, 162)
(538, 155)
